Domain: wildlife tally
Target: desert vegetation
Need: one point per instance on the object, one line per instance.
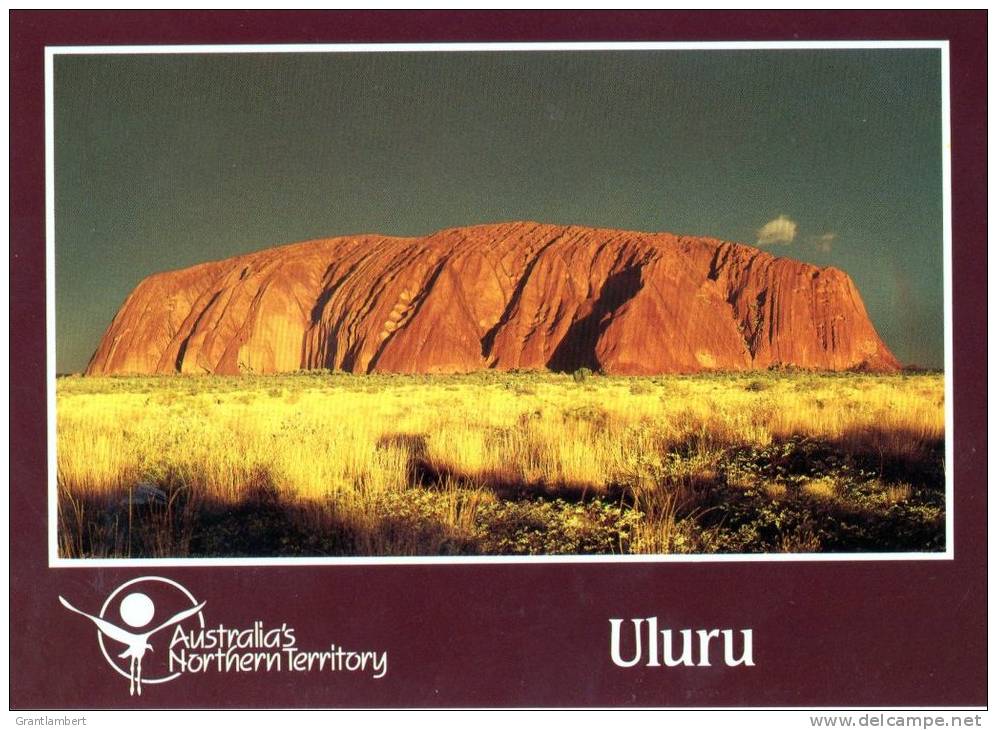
(329, 464)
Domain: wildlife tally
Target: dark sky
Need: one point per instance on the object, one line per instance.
(163, 161)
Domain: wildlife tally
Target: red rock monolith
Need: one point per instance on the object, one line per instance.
(504, 296)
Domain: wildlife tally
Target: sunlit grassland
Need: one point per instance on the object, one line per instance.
(333, 464)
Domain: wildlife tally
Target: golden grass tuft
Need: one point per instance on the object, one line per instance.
(821, 488)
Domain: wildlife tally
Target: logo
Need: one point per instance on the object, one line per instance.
(137, 612)
(151, 601)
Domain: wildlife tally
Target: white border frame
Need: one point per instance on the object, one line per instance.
(54, 561)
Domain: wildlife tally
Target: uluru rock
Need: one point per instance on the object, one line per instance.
(503, 296)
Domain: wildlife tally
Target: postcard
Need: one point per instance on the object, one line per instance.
(465, 369)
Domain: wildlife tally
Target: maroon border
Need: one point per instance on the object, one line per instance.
(827, 634)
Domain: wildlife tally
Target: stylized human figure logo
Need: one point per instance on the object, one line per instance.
(136, 610)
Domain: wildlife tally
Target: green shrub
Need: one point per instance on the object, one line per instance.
(581, 375)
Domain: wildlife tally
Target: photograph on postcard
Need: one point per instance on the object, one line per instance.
(610, 302)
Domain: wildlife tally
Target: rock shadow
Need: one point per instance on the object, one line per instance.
(577, 347)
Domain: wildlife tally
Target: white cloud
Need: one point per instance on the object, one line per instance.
(823, 242)
(779, 230)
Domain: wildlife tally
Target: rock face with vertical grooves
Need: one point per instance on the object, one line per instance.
(505, 296)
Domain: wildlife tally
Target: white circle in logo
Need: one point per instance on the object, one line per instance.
(137, 609)
(153, 579)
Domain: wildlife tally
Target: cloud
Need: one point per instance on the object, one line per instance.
(823, 242)
(780, 230)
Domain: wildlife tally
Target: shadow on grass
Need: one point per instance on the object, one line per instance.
(867, 491)
(427, 474)
(897, 455)
(260, 523)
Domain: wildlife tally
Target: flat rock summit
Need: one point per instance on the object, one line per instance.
(504, 296)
